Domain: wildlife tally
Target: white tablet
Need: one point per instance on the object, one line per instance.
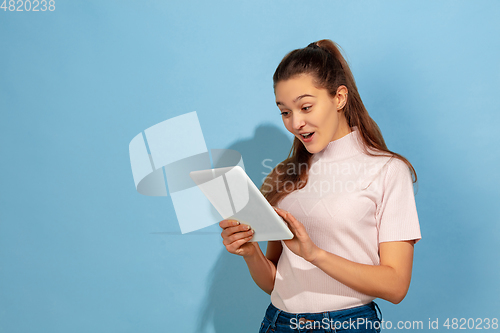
(235, 196)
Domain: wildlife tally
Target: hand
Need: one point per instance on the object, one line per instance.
(300, 244)
(236, 236)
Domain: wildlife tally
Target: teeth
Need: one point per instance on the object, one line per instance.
(305, 136)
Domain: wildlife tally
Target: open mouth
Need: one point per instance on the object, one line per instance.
(307, 135)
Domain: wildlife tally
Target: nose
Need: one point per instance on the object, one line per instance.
(298, 121)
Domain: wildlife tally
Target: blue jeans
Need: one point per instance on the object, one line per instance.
(358, 319)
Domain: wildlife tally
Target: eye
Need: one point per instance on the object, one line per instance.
(285, 113)
(306, 108)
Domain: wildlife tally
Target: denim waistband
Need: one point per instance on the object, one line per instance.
(367, 311)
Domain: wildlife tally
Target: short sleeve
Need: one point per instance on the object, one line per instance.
(396, 214)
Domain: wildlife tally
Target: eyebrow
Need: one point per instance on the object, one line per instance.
(296, 99)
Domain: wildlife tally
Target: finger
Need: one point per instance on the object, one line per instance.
(293, 229)
(231, 230)
(237, 237)
(280, 211)
(228, 223)
(296, 227)
(284, 214)
(235, 247)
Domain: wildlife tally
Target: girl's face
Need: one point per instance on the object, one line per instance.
(310, 113)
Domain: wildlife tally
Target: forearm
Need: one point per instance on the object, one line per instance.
(390, 280)
(375, 280)
(262, 270)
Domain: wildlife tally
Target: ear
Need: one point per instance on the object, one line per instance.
(341, 97)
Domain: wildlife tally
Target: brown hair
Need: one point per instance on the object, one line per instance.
(324, 61)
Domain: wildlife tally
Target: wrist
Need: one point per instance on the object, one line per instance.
(252, 251)
(317, 256)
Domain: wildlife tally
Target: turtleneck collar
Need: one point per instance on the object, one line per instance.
(347, 146)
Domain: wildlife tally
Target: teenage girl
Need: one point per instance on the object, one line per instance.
(347, 199)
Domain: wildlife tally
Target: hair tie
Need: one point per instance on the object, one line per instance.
(313, 45)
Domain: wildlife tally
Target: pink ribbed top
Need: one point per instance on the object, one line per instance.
(351, 203)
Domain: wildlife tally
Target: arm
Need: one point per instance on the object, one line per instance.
(390, 280)
(262, 268)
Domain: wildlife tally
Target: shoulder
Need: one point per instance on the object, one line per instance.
(397, 178)
(390, 163)
(397, 168)
(384, 170)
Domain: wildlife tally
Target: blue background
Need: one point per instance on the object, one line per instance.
(82, 251)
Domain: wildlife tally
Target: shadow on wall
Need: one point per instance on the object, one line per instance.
(234, 303)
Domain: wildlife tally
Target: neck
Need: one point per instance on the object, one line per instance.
(342, 130)
(345, 146)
